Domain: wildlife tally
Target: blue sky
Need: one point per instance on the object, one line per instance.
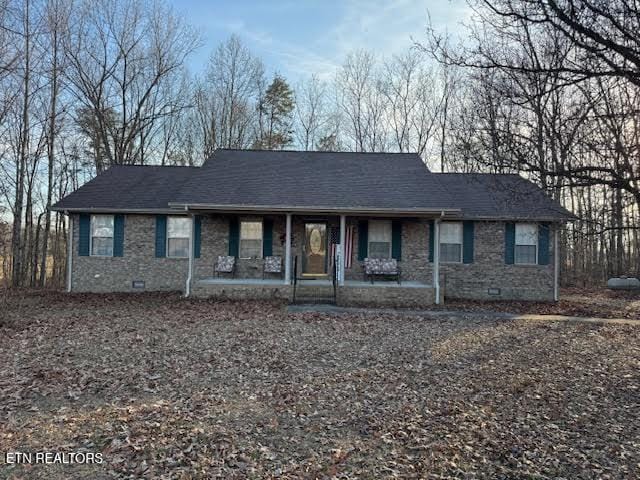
(298, 38)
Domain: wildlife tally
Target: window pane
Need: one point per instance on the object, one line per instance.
(526, 234)
(525, 254)
(379, 249)
(178, 247)
(250, 248)
(178, 227)
(379, 231)
(451, 232)
(102, 225)
(102, 246)
(450, 252)
(251, 230)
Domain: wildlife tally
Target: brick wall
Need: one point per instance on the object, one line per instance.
(458, 280)
(116, 274)
(488, 270)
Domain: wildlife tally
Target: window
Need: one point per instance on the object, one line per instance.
(526, 250)
(178, 234)
(451, 242)
(102, 235)
(379, 239)
(250, 239)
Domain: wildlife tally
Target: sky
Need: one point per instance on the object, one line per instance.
(299, 38)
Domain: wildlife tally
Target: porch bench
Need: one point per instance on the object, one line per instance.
(225, 264)
(272, 265)
(381, 267)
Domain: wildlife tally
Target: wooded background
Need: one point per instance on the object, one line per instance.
(547, 89)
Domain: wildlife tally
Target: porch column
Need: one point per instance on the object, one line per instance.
(287, 252)
(436, 259)
(192, 229)
(556, 263)
(341, 262)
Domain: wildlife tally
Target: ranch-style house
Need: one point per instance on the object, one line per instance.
(368, 229)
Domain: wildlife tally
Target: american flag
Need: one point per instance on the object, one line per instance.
(335, 241)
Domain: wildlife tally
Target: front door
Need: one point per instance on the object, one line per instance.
(315, 249)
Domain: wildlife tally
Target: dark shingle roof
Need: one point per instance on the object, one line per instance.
(237, 179)
(129, 187)
(314, 180)
(507, 196)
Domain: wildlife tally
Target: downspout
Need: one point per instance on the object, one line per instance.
(69, 251)
(556, 264)
(436, 257)
(187, 289)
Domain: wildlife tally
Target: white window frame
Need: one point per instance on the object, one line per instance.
(442, 224)
(113, 228)
(390, 230)
(515, 244)
(260, 252)
(176, 217)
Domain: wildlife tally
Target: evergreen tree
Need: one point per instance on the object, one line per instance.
(275, 116)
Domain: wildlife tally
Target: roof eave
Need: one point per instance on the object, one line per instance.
(141, 211)
(444, 212)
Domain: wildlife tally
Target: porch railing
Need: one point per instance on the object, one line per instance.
(295, 277)
(334, 278)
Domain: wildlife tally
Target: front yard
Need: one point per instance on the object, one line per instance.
(170, 388)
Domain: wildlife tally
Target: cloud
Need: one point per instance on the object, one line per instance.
(299, 39)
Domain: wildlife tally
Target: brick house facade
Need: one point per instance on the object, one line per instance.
(488, 227)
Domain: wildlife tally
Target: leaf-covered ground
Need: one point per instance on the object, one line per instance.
(579, 302)
(170, 388)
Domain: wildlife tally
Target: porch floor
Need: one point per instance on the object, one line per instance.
(321, 282)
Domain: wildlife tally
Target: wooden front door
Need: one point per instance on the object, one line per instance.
(315, 249)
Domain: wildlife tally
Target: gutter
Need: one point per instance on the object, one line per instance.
(456, 212)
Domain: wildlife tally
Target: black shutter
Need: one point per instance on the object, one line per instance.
(84, 232)
(396, 239)
(509, 242)
(197, 231)
(234, 237)
(543, 244)
(267, 237)
(161, 236)
(118, 236)
(363, 239)
(467, 241)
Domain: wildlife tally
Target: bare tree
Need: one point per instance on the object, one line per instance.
(233, 85)
(410, 91)
(120, 56)
(311, 112)
(362, 102)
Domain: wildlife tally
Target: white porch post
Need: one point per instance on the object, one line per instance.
(187, 289)
(436, 259)
(556, 264)
(69, 251)
(287, 252)
(341, 262)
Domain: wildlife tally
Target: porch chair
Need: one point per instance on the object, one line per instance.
(225, 264)
(381, 267)
(272, 264)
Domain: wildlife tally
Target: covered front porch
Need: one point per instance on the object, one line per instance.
(410, 293)
(321, 256)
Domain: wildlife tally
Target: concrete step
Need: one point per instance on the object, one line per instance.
(314, 301)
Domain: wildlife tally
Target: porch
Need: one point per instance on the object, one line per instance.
(315, 251)
(351, 293)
